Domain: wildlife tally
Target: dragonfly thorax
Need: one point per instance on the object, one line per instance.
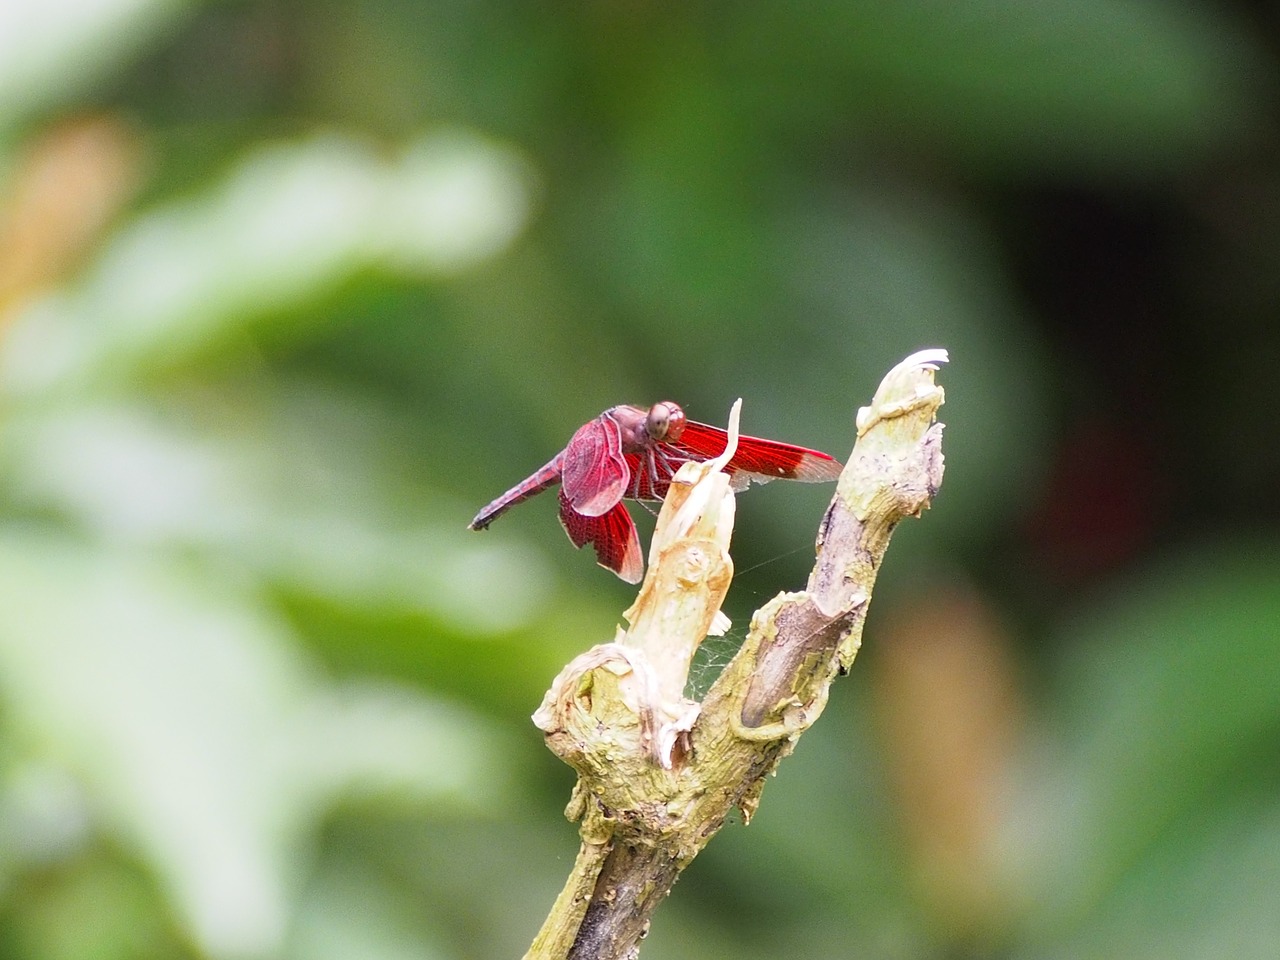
(642, 429)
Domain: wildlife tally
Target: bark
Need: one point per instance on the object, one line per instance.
(658, 775)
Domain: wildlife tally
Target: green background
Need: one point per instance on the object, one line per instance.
(289, 289)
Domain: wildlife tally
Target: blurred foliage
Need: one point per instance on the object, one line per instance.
(288, 290)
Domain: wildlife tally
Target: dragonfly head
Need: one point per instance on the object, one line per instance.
(665, 421)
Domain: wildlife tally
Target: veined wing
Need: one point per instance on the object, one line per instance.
(612, 534)
(758, 459)
(594, 473)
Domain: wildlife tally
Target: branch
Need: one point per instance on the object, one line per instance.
(659, 774)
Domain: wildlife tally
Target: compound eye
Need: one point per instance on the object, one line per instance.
(665, 421)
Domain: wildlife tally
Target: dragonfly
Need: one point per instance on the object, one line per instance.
(630, 452)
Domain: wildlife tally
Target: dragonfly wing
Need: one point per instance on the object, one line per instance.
(758, 459)
(594, 470)
(612, 534)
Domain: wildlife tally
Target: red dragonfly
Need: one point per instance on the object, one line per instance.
(632, 452)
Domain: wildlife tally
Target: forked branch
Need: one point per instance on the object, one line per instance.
(659, 774)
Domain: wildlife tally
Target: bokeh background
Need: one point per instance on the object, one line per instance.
(289, 288)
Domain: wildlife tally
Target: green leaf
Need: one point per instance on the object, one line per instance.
(202, 737)
(288, 224)
(298, 489)
(1115, 85)
(53, 51)
(1160, 733)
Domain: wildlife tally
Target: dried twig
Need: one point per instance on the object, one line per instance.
(658, 774)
